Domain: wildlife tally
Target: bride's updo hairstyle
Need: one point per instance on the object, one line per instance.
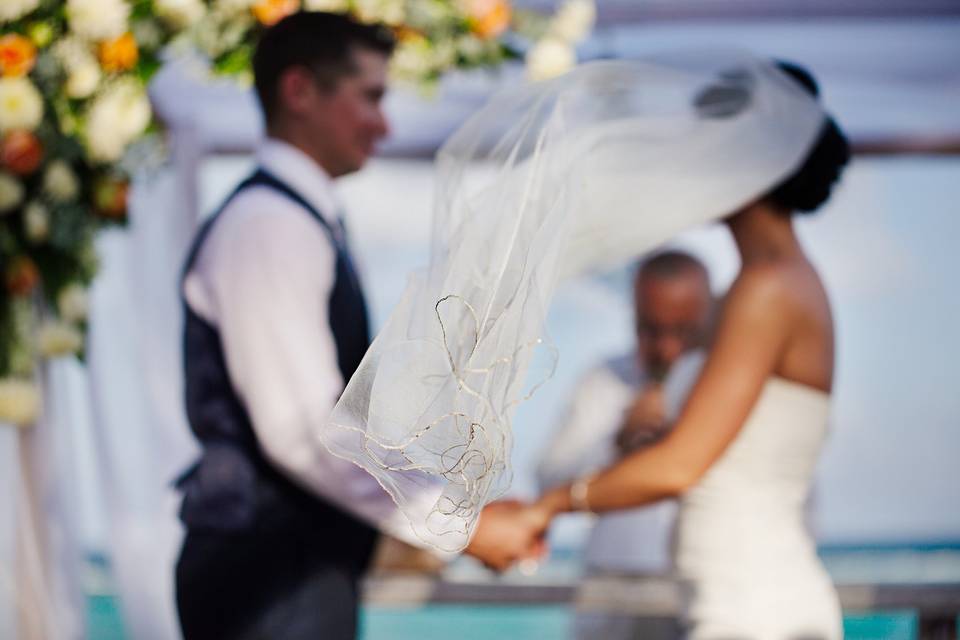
(809, 187)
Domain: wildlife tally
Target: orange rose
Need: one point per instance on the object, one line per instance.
(489, 18)
(17, 55)
(402, 33)
(21, 276)
(119, 54)
(270, 12)
(20, 152)
(110, 198)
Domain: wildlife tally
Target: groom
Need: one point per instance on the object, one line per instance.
(279, 532)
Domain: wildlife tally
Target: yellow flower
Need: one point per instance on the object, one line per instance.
(489, 18)
(119, 54)
(21, 105)
(17, 55)
(19, 402)
(270, 12)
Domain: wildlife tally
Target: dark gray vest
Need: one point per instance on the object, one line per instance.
(232, 488)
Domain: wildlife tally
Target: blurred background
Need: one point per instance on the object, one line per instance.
(887, 499)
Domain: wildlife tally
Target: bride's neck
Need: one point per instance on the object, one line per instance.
(764, 234)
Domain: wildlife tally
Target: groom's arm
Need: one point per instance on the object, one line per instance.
(268, 273)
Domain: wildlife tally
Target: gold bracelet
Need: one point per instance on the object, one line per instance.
(578, 493)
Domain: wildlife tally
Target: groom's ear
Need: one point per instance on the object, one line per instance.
(297, 91)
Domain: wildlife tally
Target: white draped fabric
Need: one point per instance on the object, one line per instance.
(135, 386)
(40, 552)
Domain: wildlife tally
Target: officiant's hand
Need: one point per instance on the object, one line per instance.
(644, 422)
(506, 533)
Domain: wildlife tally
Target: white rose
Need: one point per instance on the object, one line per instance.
(10, 10)
(574, 20)
(83, 70)
(549, 58)
(36, 222)
(83, 81)
(19, 401)
(98, 19)
(233, 6)
(60, 182)
(11, 193)
(71, 52)
(386, 11)
(72, 303)
(332, 6)
(412, 59)
(56, 338)
(21, 105)
(180, 14)
(118, 116)
(471, 47)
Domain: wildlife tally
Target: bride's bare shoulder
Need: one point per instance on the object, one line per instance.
(762, 287)
(776, 292)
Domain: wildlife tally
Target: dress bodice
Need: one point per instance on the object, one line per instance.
(742, 547)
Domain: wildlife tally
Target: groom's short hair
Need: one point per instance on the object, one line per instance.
(321, 42)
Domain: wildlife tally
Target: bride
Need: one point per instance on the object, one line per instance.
(604, 163)
(744, 447)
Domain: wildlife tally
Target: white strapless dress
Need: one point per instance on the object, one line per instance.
(743, 553)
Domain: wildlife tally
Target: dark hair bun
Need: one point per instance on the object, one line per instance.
(810, 186)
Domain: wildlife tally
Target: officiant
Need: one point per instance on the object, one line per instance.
(279, 531)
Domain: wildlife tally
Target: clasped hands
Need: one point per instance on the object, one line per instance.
(510, 531)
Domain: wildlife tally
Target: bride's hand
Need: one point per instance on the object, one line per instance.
(508, 531)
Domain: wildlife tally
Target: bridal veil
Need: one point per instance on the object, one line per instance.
(546, 181)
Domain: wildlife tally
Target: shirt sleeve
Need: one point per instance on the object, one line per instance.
(584, 440)
(268, 270)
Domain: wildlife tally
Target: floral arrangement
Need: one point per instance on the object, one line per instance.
(74, 109)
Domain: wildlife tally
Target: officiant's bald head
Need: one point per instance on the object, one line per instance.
(674, 308)
(320, 79)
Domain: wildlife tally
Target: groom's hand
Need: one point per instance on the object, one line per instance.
(505, 534)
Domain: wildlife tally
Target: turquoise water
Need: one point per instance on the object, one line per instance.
(892, 564)
(441, 622)
(478, 622)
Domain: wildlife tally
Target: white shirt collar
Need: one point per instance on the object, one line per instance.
(297, 169)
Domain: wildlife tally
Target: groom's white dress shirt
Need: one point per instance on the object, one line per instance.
(263, 279)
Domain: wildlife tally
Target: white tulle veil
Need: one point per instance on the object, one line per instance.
(556, 178)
